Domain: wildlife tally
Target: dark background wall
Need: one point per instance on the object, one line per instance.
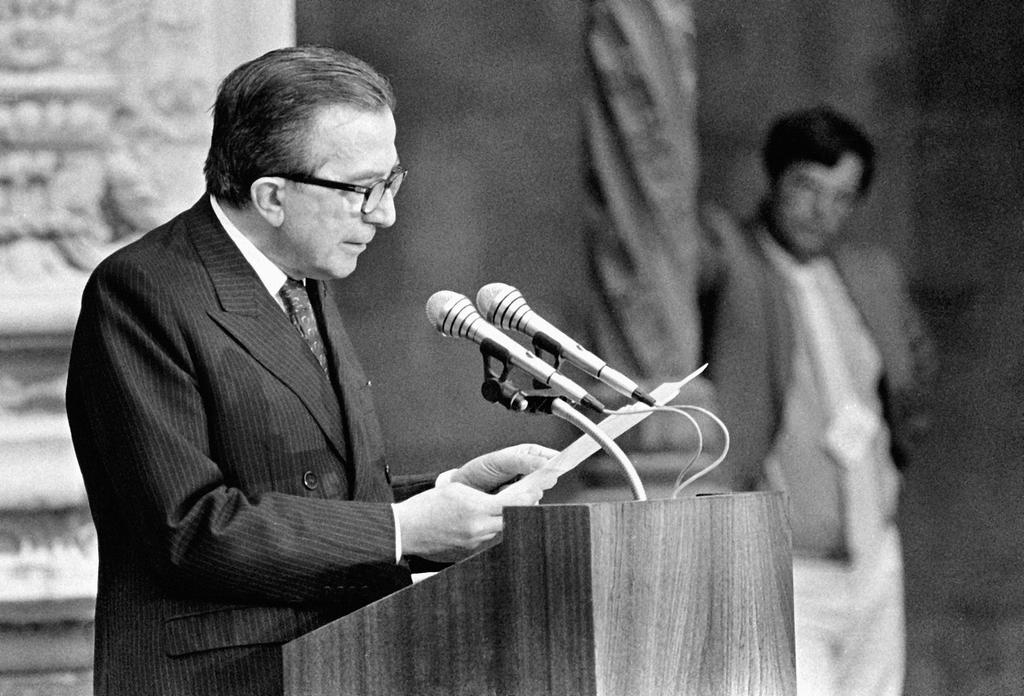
(937, 84)
(488, 124)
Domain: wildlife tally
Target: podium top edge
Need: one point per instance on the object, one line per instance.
(745, 496)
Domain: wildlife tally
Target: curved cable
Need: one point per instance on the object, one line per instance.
(680, 410)
(680, 485)
(560, 408)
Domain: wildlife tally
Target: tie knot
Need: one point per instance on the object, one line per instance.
(293, 284)
(300, 311)
(293, 292)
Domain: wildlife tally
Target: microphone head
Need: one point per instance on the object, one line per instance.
(503, 305)
(451, 313)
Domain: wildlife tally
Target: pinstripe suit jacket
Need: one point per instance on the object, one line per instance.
(239, 497)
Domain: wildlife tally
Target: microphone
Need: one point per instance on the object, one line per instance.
(454, 315)
(504, 306)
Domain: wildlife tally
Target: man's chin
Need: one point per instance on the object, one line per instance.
(335, 271)
(809, 248)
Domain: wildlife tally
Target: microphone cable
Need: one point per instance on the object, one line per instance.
(683, 410)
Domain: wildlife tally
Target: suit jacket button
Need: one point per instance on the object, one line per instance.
(310, 480)
(387, 473)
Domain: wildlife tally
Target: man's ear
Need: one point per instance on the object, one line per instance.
(267, 194)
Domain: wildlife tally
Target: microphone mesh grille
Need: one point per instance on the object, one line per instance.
(503, 305)
(452, 314)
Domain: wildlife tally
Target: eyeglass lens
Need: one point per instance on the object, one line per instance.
(376, 193)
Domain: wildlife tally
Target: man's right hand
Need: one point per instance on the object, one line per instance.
(452, 521)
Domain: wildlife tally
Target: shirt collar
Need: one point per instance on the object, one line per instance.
(269, 274)
(801, 273)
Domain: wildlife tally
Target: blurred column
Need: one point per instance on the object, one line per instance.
(642, 176)
(104, 125)
(641, 147)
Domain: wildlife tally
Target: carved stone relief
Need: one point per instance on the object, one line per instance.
(103, 127)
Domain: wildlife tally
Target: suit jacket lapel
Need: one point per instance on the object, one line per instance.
(256, 322)
(878, 296)
(777, 315)
(350, 377)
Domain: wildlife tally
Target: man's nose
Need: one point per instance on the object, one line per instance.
(385, 214)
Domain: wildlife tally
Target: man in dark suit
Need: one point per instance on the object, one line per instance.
(818, 364)
(224, 428)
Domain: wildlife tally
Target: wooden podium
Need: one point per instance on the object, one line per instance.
(689, 596)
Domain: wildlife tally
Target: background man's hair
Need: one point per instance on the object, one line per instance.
(819, 135)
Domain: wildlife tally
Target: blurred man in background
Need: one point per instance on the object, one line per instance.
(817, 363)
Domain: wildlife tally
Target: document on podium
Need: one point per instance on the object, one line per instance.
(614, 425)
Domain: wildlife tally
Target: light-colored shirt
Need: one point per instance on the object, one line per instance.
(828, 376)
(273, 279)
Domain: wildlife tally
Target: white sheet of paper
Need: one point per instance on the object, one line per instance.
(616, 424)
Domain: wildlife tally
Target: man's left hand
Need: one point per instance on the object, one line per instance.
(494, 469)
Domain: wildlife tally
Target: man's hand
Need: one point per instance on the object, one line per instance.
(489, 471)
(457, 517)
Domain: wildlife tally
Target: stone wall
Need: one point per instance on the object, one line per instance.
(103, 128)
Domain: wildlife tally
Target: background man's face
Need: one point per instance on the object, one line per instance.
(811, 202)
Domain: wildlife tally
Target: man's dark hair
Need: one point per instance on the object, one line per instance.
(816, 135)
(265, 110)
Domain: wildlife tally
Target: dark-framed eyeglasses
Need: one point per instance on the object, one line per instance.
(372, 194)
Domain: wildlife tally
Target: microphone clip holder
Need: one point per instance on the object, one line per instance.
(498, 389)
(544, 344)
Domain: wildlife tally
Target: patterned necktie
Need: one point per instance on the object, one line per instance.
(300, 311)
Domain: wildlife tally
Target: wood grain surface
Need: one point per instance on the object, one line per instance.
(686, 596)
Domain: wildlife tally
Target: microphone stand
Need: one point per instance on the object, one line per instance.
(497, 389)
(561, 408)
